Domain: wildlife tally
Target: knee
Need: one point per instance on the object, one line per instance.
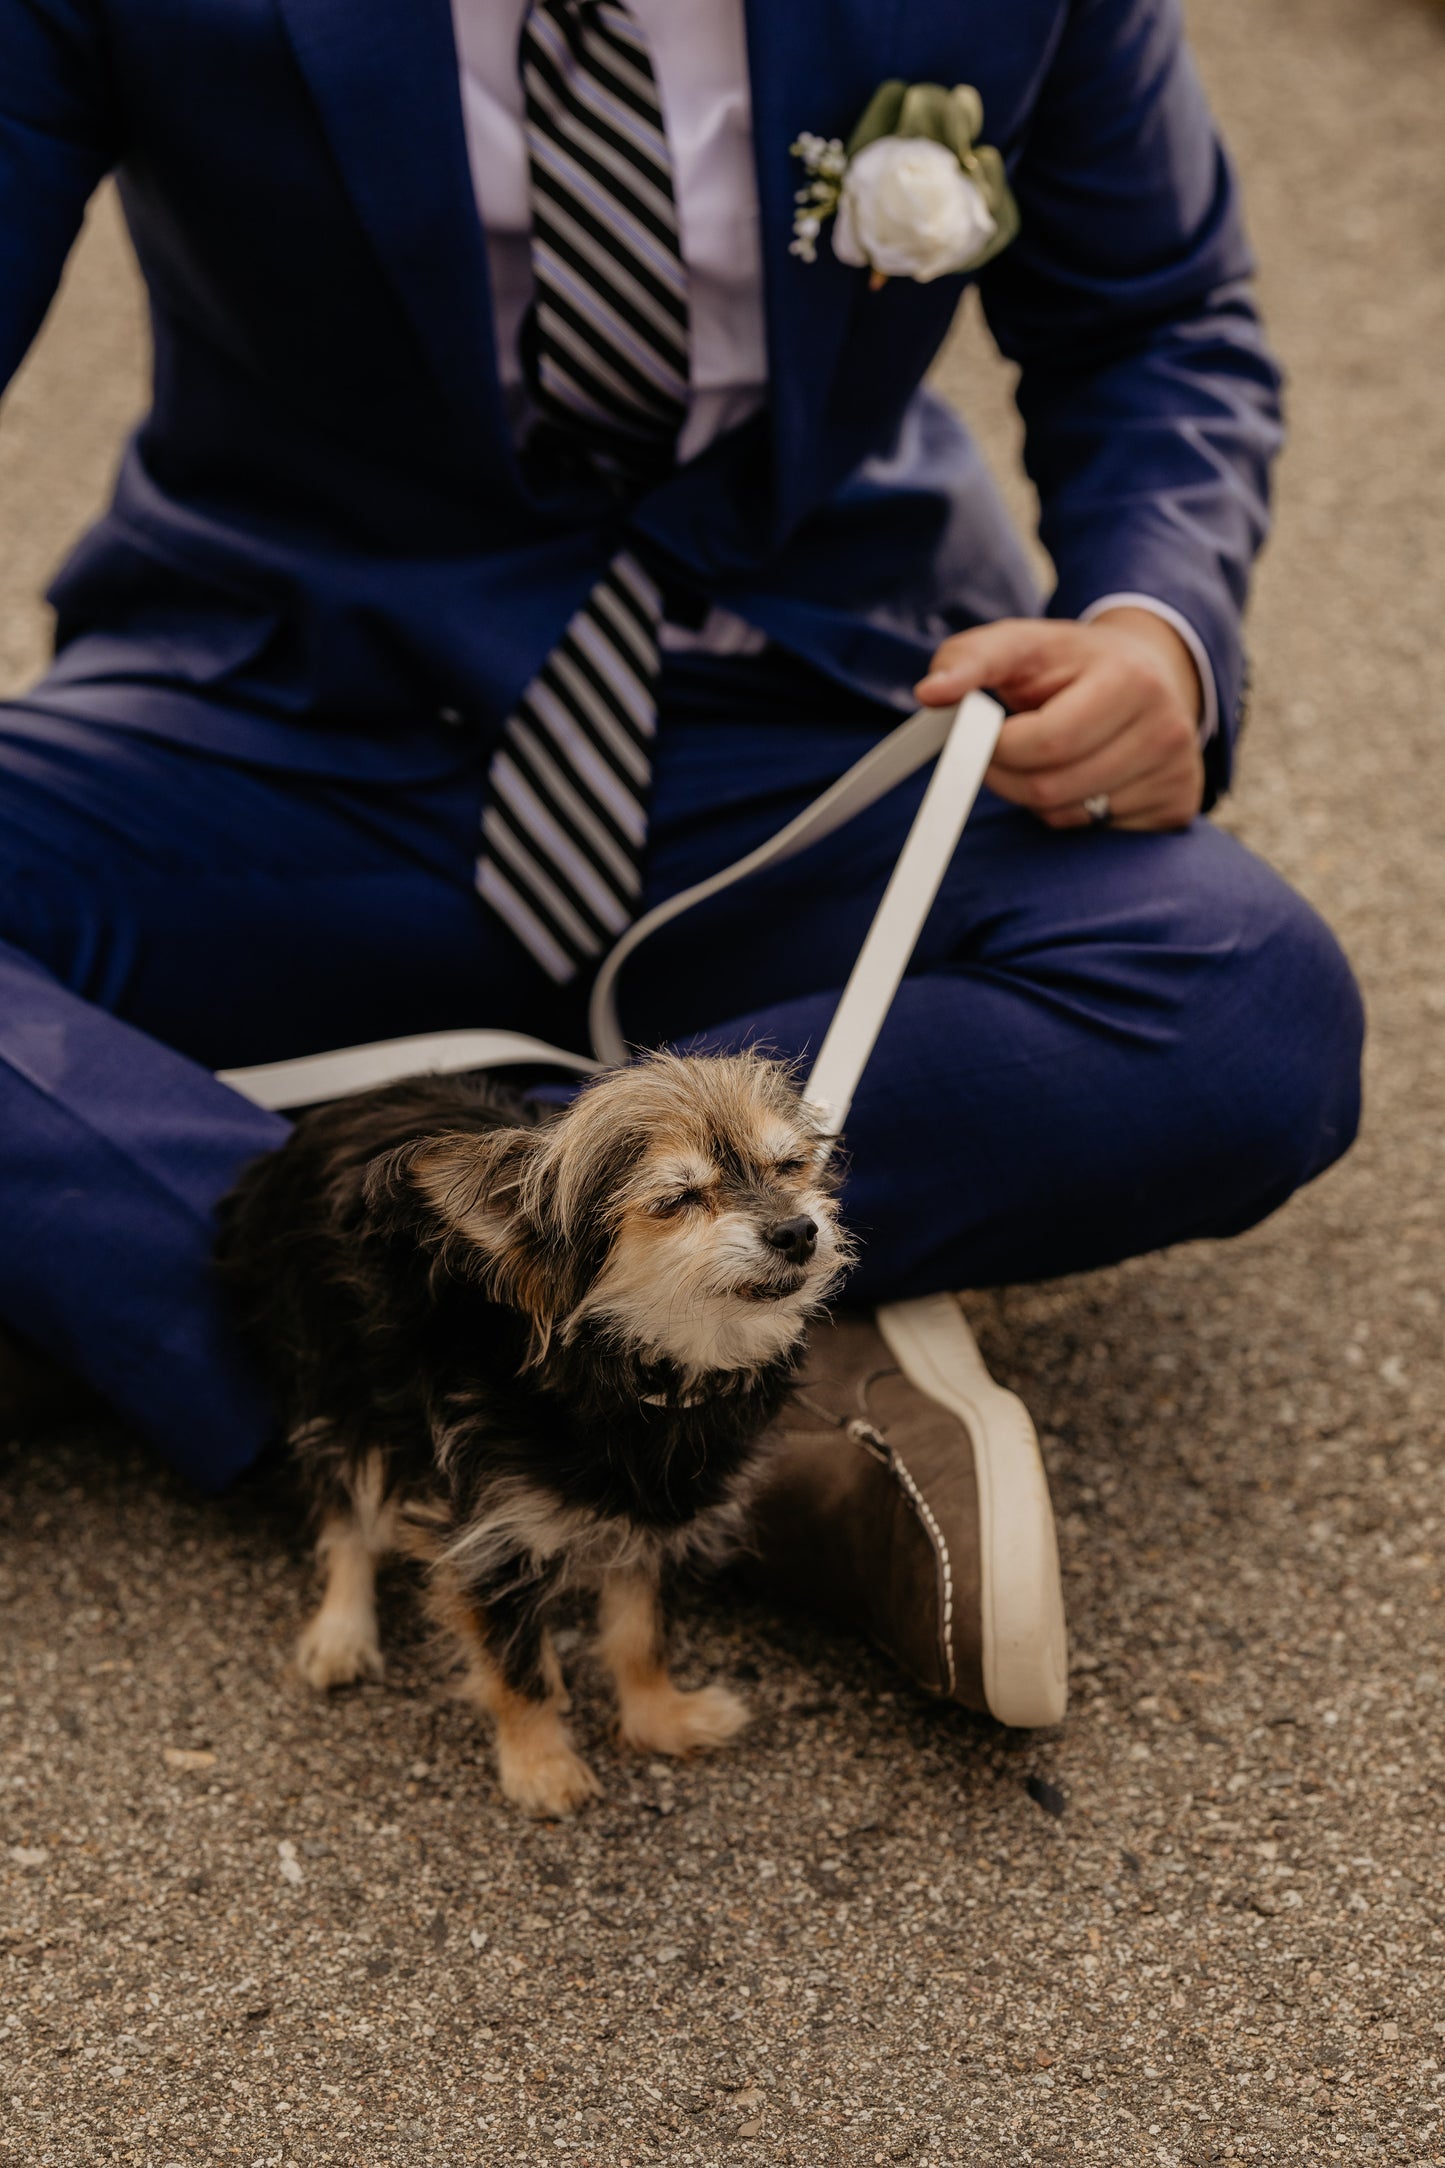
(1295, 1041)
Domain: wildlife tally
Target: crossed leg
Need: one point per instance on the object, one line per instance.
(1109, 1042)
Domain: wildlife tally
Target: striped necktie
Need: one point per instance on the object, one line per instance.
(607, 353)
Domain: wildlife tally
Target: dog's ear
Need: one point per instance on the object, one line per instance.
(460, 1187)
(473, 1200)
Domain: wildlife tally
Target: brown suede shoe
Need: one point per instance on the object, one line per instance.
(907, 1496)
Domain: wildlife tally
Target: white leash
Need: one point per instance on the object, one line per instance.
(907, 901)
(964, 743)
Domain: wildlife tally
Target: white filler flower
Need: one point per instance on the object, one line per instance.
(908, 210)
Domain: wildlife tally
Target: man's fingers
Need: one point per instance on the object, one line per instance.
(1073, 731)
(1164, 815)
(1148, 743)
(1166, 796)
(998, 654)
(1093, 713)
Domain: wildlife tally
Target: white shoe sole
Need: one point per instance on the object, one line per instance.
(1025, 1644)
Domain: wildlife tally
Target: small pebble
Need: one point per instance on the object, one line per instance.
(1047, 1795)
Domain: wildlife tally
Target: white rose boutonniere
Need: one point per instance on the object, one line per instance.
(908, 209)
(912, 194)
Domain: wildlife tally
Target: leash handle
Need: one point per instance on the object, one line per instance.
(907, 900)
(965, 745)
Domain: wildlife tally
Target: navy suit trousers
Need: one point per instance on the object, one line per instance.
(1106, 1043)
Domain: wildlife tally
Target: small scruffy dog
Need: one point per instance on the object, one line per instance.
(537, 1354)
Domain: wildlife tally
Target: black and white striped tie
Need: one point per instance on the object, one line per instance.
(607, 351)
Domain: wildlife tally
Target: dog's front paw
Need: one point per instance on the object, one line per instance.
(666, 1721)
(550, 1781)
(336, 1650)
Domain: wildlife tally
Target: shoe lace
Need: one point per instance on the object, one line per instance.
(860, 1428)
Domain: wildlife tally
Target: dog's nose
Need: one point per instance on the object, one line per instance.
(796, 1238)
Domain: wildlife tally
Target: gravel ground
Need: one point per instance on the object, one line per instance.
(1202, 1922)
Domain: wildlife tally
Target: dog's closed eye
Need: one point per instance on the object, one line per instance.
(685, 1200)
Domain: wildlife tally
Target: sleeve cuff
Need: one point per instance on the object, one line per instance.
(1209, 692)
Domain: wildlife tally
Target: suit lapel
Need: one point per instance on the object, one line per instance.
(814, 64)
(384, 77)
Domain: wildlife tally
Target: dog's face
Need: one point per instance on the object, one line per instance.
(685, 1205)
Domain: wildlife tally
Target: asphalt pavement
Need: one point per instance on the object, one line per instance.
(1202, 1922)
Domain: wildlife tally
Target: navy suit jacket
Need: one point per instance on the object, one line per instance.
(322, 519)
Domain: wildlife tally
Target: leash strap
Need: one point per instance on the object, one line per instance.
(281, 1085)
(907, 900)
(964, 743)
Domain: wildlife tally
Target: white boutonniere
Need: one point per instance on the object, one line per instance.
(912, 193)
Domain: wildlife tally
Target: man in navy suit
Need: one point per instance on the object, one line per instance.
(462, 313)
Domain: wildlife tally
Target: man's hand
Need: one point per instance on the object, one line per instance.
(1110, 706)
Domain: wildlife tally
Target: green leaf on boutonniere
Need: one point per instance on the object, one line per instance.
(985, 169)
(880, 117)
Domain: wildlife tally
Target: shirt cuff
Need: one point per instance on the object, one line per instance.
(1208, 691)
